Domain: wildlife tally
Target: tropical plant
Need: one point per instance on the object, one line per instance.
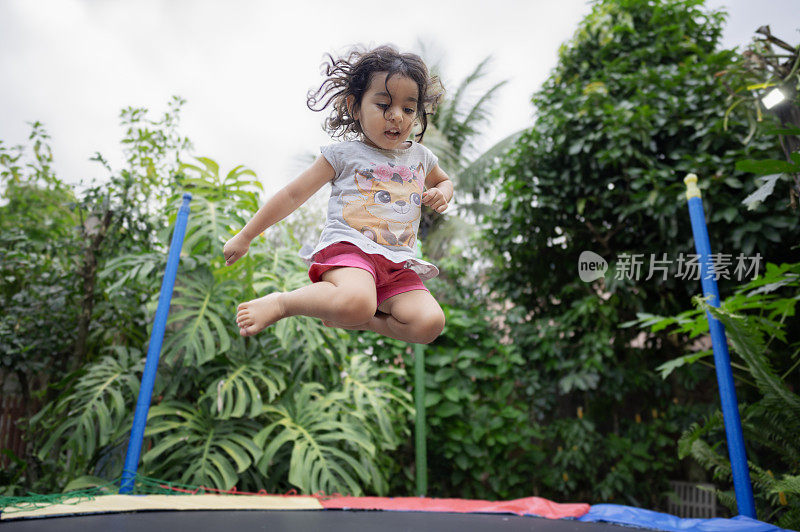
(479, 432)
(766, 341)
(632, 107)
(294, 407)
(198, 447)
(94, 414)
(481, 439)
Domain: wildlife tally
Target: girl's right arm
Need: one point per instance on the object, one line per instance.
(281, 205)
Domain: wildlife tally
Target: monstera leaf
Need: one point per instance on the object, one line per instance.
(323, 449)
(237, 382)
(191, 445)
(218, 204)
(371, 394)
(130, 268)
(99, 409)
(202, 319)
(205, 181)
(209, 226)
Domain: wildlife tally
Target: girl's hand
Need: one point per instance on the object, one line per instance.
(235, 248)
(434, 198)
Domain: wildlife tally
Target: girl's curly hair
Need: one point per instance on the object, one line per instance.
(352, 76)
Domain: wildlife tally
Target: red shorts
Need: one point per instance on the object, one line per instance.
(390, 278)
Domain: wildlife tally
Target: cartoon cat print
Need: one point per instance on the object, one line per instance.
(390, 203)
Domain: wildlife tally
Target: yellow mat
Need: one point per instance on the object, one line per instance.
(132, 503)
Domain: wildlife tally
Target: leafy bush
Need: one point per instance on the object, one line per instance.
(480, 438)
(216, 393)
(766, 341)
(633, 105)
(269, 412)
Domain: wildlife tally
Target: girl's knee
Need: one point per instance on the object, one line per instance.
(430, 326)
(353, 307)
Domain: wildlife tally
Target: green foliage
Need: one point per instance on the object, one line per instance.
(451, 135)
(311, 423)
(335, 418)
(57, 313)
(633, 105)
(297, 406)
(771, 172)
(459, 121)
(769, 64)
(95, 413)
(479, 433)
(586, 463)
(766, 349)
(197, 447)
(609, 442)
(38, 283)
(236, 381)
(223, 413)
(480, 439)
(201, 302)
(371, 390)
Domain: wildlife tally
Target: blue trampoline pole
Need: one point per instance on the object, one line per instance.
(722, 362)
(154, 350)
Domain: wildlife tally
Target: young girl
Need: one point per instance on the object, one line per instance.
(364, 272)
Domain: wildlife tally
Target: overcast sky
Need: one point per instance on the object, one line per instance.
(245, 67)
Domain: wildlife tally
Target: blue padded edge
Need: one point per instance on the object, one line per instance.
(631, 516)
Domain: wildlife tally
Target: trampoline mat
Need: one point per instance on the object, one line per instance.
(305, 520)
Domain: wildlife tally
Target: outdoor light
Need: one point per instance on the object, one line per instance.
(772, 99)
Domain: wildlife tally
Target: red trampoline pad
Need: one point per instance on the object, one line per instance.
(527, 506)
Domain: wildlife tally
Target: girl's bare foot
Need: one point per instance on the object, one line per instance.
(256, 314)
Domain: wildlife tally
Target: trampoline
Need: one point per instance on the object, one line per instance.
(310, 520)
(250, 512)
(204, 509)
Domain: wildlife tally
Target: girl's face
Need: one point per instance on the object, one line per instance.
(388, 125)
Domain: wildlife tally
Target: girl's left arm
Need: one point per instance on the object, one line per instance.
(440, 190)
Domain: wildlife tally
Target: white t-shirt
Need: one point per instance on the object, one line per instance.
(376, 201)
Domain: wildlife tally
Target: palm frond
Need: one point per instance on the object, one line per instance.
(748, 343)
(706, 455)
(450, 160)
(773, 429)
(790, 520)
(697, 431)
(728, 500)
(787, 484)
(478, 115)
(448, 114)
(473, 179)
(452, 228)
